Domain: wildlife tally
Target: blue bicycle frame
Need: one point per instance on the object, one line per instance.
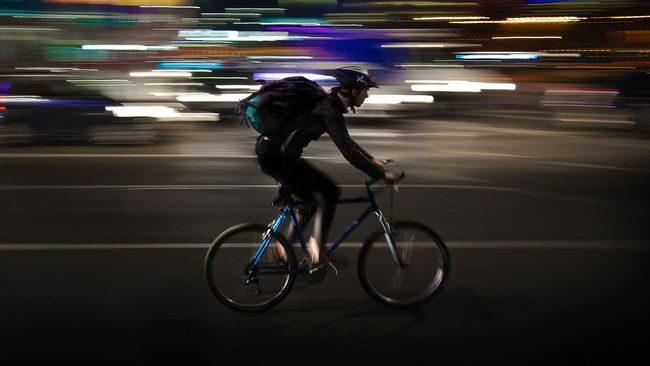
(288, 210)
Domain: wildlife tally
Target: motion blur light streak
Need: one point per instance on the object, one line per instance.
(458, 85)
(142, 111)
(495, 56)
(630, 17)
(126, 47)
(430, 65)
(22, 99)
(280, 57)
(398, 99)
(234, 35)
(451, 87)
(278, 76)
(171, 6)
(142, 74)
(251, 87)
(528, 37)
(53, 69)
(413, 45)
(452, 18)
(173, 84)
(189, 65)
(170, 71)
(206, 97)
(523, 20)
(219, 78)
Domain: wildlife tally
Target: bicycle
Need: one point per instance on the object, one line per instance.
(401, 265)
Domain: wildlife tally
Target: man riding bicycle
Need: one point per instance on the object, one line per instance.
(279, 155)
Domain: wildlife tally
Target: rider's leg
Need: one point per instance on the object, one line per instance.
(328, 195)
(312, 186)
(284, 170)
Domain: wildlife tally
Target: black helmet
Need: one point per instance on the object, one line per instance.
(355, 77)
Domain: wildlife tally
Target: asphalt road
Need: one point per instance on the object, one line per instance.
(102, 247)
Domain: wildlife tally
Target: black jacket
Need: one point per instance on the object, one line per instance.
(325, 116)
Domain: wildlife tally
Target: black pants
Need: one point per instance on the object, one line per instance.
(310, 185)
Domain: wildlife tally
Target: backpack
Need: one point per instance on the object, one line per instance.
(273, 107)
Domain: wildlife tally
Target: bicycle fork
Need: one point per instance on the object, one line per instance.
(388, 234)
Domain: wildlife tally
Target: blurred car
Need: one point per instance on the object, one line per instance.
(37, 108)
(634, 96)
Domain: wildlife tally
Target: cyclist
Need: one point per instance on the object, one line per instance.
(279, 156)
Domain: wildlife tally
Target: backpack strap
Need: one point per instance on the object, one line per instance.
(240, 109)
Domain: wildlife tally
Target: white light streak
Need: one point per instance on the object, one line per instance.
(53, 69)
(220, 77)
(143, 111)
(231, 36)
(398, 99)
(171, 6)
(255, 9)
(458, 86)
(430, 65)
(413, 45)
(451, 87)
(173, 84)
(93, 81)
(280, 57)
(143, 74)
(452, 18)
(127, 47)
(206, 97)
(630, 16)
(180, 70)
(22, 98)
(528, 37)
(35, 29)
(278, 76)
(524, 20)
(499, 56)
(228, 87)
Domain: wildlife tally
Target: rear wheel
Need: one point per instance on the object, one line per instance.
(228, 259)
(426, 265)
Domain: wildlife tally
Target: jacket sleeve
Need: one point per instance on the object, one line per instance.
(351, 151)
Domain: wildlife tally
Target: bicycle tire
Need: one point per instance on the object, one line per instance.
(385, 282)
(227, 259)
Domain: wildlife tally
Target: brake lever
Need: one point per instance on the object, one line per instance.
(399, 177)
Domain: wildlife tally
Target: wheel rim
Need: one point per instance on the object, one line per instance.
(226, 269)
(424, 275)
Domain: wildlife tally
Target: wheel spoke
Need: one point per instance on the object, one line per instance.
(425, 260)
(233, 251)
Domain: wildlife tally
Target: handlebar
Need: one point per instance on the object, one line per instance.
(397, 179)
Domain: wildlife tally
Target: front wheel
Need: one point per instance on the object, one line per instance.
(425, 270)
(227, 267)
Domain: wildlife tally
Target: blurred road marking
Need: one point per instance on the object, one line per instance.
(549, 162)
(162, 187)
(594, 166)
(374, 133)
(593, 120)
(217, 155)
(481, 153)
(249, 156)
(242, 186)
(137, 156)
(491, 244)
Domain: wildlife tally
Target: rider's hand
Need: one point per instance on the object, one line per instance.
(389, 177)
(377, 163)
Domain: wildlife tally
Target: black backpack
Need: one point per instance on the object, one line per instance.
(273, 107)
